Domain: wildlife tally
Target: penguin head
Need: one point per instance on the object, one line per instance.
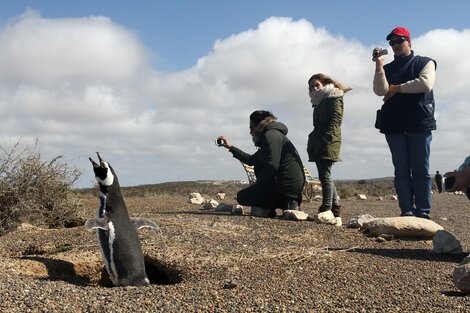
(104, 173)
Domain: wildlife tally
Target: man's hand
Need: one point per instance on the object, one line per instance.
(392, 90)
(226, 143)
(462, 179)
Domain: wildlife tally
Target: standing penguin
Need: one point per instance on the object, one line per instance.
(117, 235)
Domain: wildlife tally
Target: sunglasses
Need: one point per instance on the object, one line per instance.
(398, 41)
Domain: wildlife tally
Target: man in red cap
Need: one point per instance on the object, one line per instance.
(407, 119)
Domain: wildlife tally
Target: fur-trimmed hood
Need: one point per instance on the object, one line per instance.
(266, 124)
(329, 91)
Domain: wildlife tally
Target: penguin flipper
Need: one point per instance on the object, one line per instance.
(142, 222)
(95, 223)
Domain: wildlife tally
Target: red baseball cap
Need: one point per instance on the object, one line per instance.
(399, 31)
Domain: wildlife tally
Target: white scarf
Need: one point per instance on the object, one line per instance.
(317, 96)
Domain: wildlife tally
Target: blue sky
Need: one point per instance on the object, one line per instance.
(151, 84)
(181, 31)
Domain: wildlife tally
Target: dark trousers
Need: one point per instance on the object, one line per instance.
(264, 196)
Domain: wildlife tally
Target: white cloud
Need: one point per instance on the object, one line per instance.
(83, 85)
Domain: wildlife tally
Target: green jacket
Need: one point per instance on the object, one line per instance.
(324, 142)
(276, 161)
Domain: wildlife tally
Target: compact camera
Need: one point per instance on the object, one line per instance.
(378, 54)
(219, 142)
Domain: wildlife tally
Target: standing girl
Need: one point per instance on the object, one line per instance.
(324, 142)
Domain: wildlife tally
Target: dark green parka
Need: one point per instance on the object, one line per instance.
(324, 142)
(276, 161)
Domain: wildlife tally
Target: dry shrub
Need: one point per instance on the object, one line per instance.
(36, 191)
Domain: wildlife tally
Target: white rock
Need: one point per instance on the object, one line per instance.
(445, 243)
(295, 215)
(461, 276)
(317, 198)
(380, 198)
(211, 205)
(220, 196)
(362, 196)
(403, 226)
(196, 198)
(326, 217)
(338, 222)
(394, 197)
(358, 221)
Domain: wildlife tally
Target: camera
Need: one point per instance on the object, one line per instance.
(378, 54)
(219, 142)
(449, 182)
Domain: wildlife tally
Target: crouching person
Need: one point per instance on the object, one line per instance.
(459, 180)
(278, 168)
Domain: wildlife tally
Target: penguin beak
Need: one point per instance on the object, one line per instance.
(94, 163)
(100, 159)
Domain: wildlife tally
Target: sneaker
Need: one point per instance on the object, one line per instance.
(293, 205)
(423, 215)
(407, 213)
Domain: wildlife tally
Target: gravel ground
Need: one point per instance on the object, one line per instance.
(201, 261)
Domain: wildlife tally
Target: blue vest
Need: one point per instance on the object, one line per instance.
(407, 112)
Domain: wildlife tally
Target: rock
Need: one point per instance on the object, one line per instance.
(338, 222)
(211, 205)
(362, 196)
(224, 208)
(326, 217)
(295, 215)
(380, 239)
(230, 284)
(220, 196)
(445, 243)
(358, 221)
(384, 238)
(461, 276)
(404, 226)
(196, 198)
(317, 198)
(259, 212)
(380, 198)
(387, 237)
(394, 197)
(237, 210)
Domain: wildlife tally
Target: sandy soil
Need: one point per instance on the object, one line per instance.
(202, 261)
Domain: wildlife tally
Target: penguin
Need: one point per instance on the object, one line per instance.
(117, 235)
